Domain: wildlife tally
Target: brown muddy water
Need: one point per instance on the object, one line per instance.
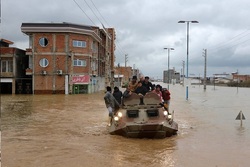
(70, 131)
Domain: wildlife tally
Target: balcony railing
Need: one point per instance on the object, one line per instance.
(29, 71)
(28, 51)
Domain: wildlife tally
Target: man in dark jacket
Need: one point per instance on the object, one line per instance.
(117, 95)
(141, 90)
(147, 84)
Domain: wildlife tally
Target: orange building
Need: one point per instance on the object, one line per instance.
(69, 58)
(12, 70)
(241, 78)
(122, 75)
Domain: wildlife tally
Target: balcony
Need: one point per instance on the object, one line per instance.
(29, 71)
(28, 51)
(7, 74)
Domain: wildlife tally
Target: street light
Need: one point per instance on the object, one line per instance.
(183, 72)
(187, 48)
(168, 64)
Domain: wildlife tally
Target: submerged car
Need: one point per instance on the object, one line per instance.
(143, 117)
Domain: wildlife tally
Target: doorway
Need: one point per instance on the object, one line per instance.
(80, 89)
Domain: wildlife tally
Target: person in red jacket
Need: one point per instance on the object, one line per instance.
(158, 91)
(166, 98)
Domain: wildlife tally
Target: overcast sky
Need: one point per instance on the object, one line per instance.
(144, 27)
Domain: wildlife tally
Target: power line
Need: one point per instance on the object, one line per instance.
(84, 12)
(93, 11)
(237, 44)
(99, 13)
(119, 49)
(223, 45)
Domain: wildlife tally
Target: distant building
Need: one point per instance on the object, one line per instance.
(171, 76)
(122, 75)
(241, 78)
(66, 58)
(222, 78)
(14, 62)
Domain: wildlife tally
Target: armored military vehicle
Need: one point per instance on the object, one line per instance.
(143, 117)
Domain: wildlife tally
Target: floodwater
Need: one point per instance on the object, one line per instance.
(70, 131)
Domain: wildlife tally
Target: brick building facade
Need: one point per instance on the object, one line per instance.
(240, 78)
(66, 58)
(13, 64)
(123, 75)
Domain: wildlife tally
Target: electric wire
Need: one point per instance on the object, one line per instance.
(99, 13)
(93, 12)
(84, 12)
(228, 44)
(119, 49)
(224, 45)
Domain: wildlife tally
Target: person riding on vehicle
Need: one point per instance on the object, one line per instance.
(147, 84)
(133, 84)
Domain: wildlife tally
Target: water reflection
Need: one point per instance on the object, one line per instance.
(241, 130)
(144, 152)
(17, 108)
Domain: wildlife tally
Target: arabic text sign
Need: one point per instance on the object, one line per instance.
(81, 79)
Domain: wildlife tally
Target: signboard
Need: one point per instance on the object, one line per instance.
(81, 79)
(6, 80)
(240, 116)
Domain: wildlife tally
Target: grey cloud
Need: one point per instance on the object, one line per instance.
(144, 27)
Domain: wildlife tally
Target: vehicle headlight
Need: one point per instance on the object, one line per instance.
(165, 113)
(116, 118)
(169, 116)
(119, 114)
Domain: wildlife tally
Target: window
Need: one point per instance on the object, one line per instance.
(44, 62)
(93, 65)
(81, 44)
(132, 113)
(94, 47)
(6, 66)
(43, 41)
(78, 62)
(152, 112)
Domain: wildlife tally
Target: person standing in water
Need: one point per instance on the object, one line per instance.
(166, 98)
(117, 95)
(111, 104)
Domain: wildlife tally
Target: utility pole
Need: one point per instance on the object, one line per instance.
(183, 74)
(205, 69)
(237, 81)
(169, 79)
(0, 11)
(126, 59)
(134, 70)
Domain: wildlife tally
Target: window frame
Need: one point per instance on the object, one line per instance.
(43, 42)
(7, 66)
(79, 44)
(79, 63)
(44, 62)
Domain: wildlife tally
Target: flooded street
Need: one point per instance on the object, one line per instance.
(70, 130)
